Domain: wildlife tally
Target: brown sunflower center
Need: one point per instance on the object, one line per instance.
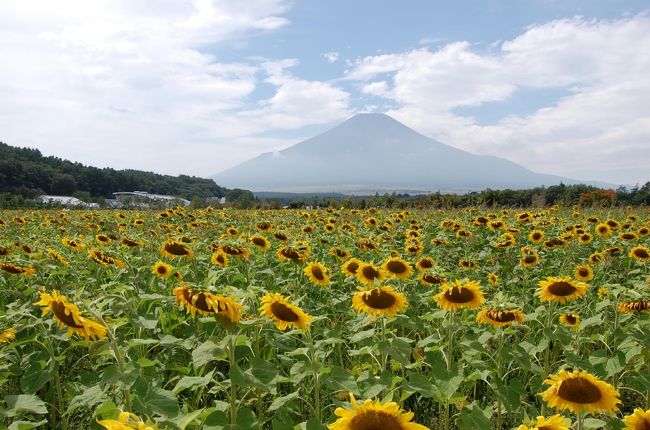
(317, 273)
(502, 316)
(562, 288)
(161, 269)
(530, 259)
(12, 269)
(283, 312)
(370, 272)
(352, 267)
(579, 390)
(379, 299)
(459, 295)
(583, 272)
(396, 267)
(537, 236)
(570, 319)
(641, 253)
(426, 264)
(259, 241)
(433, 279)
(291, 254)
(176, 248)
(58, 308)
(375, 420)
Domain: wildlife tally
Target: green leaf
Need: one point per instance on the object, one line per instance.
(510, 393)
(473, 417)
(206, 352)
(278, 402)
(362, 335)
(192, 382)
(26, 425)
(420, 384)
(24, 403)
(187, 419)
(593, 423)
(313, 424)
(90, 397)
(340, 379)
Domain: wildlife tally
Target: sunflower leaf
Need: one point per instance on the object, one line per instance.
(24, 403)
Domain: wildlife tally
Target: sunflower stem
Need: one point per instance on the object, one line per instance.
(118, 357)
(233, 388)
(316, 376)
(580, 421)
(448, 359)
(499, 377)
(384, 353)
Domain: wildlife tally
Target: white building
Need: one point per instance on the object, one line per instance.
(66, 201)
(142, 199)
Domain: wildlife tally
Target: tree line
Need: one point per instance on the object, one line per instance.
(25, 174)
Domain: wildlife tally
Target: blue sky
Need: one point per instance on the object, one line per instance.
(197, 86)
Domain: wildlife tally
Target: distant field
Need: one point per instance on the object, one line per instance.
(226, 319)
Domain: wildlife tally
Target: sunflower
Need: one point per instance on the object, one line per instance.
(104, 259)
(597, 257)
(174, 248)
(130, 243)
(103, 239)
(639, 305)
(373, 415)
(397, 268)
(284, 314)
(4, 251)
(219, 258)
(208, 304)
(529, 260)
(580, 391)
(57, 256)
(536, 236)
(162, 270)
(379, 301)
(643, 232)
(7, 335)
(68, 315)
(261, 242)
(584, 273)
(125, 421)
(467, 264)
(425, 263)
(638, 420)
(556, 422)
(73, 243)
(432, 279)
(351, 267)
(570, 320)
(340, 253)
(290, 254)
(16, 269)
(460, 294)
(493, 279)
(603, 230)
(500, 318)
(640, 253)
(317, 274)
(369, 274)
(561, 289)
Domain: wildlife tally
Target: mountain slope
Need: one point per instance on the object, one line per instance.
(374, 152)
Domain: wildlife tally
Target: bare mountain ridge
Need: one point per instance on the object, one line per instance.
(375, 153)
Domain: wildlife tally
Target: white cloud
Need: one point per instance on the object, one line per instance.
(598, 131)
(331, 57)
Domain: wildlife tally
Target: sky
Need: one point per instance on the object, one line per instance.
(198, 86)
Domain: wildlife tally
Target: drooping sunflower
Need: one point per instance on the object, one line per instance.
(340, 253)
(500, 318)
(208, 304)
(425, 263)
(640, 253)
(287, 253)
(597, 258)
(379, 301)
(317, 274)
(584, 273)
(73, 243)
(125, 421)
(467, 264)
(572, 320)
(395, 267)
(351, 267)
(460, 294)
(637, 420)
(130, 243)
(284, 314)
(561, 289)
(261, 242)
(7, 335)
(162, 269)
(104, 259)
(174, 248)
(432, 279)
(373, 415)
(639, 306)
(369, 274)
(67, 315)
(580, 391)
(556, 422)
(16, 269)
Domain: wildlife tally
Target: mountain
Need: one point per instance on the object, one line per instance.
(376, 153)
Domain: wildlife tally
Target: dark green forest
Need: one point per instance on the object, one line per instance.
(25, 174)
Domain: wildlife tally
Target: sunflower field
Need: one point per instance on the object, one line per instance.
(335, 319)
